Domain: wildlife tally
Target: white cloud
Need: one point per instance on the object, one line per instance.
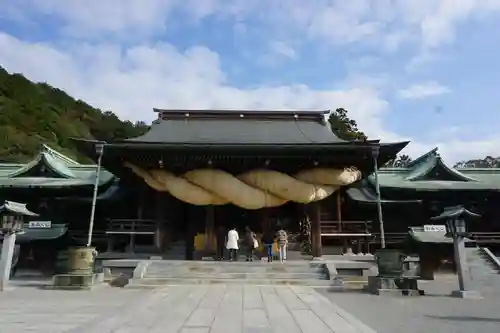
(94, 18)
(133, 80)
(423, 90)
(283, 49)
(390, 22)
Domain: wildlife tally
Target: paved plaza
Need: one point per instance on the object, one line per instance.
(175, 309)
(436, 312)
(244, 308)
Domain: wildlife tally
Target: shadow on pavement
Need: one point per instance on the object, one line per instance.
(465, 318)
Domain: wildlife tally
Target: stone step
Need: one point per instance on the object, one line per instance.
(233, 270)
(232, 265)
(257, 263)
(160, 282)
(237, 276)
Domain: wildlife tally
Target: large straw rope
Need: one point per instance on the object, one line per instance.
(254, 189)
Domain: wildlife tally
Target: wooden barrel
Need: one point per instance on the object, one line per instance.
(81, 260)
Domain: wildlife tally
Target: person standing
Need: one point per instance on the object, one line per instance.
(268, 241)
(232, 244)
(251, 243)
(282, 243)
(221, 241)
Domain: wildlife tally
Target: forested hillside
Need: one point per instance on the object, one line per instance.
(35, 113)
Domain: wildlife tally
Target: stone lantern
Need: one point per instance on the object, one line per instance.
(12, 220)
(456, 229)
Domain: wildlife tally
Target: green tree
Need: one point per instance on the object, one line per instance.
(401, 161)
(345, 127)
(35, 113)
(487, 162)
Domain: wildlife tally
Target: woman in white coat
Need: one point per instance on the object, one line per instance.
(232, 243)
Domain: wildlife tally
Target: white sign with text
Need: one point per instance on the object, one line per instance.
(434, 228)
(40, 224)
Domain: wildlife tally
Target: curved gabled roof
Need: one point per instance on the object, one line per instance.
(16, 208)
(430, 173)
(432, 164)
(63, 172)
(47, 158)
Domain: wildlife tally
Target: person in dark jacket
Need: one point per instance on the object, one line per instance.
(250, 243)
(268, 241)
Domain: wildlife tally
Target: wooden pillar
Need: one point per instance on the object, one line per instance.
(140, 212)
(190, 233)
(111, 243)
(340, 223)
(315, 217)
(160, 222)
(209, 228)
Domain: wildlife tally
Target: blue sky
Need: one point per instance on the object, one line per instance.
(424, 70)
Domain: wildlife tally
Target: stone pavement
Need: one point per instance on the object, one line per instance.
(175, 309)
(435, 312)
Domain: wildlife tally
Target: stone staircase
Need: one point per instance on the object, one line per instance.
(483, 272)
(166, 272)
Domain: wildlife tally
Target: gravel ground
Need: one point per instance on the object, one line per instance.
(434, 313)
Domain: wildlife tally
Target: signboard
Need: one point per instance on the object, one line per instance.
(434, 228)
(40, 225)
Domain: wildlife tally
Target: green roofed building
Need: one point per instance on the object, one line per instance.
(59, 189)
(421, 190)
(132, 216)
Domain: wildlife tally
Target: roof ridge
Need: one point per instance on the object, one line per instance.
(58, 155)
(57, 165)
(53, 159)
(422, 158)
(431, 161)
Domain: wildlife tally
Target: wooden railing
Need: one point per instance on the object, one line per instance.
(98, 236)
(131, 227)
(346, 229)
(390, 237)
(486, 237)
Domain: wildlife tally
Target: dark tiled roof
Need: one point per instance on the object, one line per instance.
(239, 127)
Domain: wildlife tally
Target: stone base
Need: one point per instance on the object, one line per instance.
(74, 281)
(466, 294)
(396, 292)
(393, 286)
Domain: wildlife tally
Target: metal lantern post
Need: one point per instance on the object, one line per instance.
(375, 154)
(99, 148)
